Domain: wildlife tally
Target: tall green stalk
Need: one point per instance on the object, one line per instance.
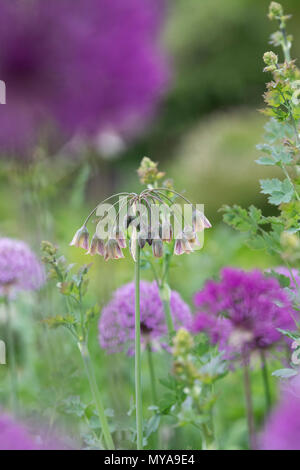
(165, 295)
(12, 358)
(265, 377)
(138, 378)
(152, 374)
(96, 394)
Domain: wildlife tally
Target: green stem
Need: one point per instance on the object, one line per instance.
(138, 378)
(152, 374)
(249, 406)
(165, 294)
(265, 377)
(96, 394)
(12, 359)
(168, 316)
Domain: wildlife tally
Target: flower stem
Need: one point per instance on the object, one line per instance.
(265, 377)
(168, 316)
(249, 406)
(12, 359)
(152, 374)
(96, 394)
(138, 379)
(165, 295)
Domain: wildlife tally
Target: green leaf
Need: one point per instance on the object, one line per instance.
(279, 191)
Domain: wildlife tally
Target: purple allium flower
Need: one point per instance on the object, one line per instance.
(282, 431)
(84, 66)
(116, 324)
(15, 436)
(19, 267)
(242, 312)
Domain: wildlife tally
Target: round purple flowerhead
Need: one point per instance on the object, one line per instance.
(84, 66)
(116, 324)
(16, 436)
(282, 431)
(19, 267)
(242, 312)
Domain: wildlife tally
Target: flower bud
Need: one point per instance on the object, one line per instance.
(148, 172)
(270, 58)
(96, 246)
(182, 245)
(121, 239)
(157, 248)
(112, 250)
(200, 222)
(142, 238)
(166, 232)
(275, 11)
(81, 238)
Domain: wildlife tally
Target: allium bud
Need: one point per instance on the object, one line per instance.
(142, 239)
(81, 238)
(166, 232)
(200, 222)
(182, 245)
(157, 248)
(191, 237)
(120, 237)
(275, 11)
(96, 246)
(112, 250)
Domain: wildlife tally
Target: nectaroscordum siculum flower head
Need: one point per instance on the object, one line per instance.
(152, 218)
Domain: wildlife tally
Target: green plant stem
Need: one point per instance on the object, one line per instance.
(265, 377)
(207, 438)
(249, 406)
(152, 374)
(165, 294)
(96, 394)
(12, 359)
(138, 378)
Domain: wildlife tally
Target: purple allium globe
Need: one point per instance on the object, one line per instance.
(84, 66)
(116, 324)
(282, 431)
(15, 436)
(19, 267)
(242, 311)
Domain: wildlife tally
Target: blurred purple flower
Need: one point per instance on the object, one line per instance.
(282, 431)
(116, 324)
(19, 267)
(242, 312)
(81, 66)
(15, 436)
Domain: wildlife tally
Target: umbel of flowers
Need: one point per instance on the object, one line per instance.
(148, 218)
